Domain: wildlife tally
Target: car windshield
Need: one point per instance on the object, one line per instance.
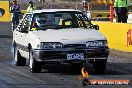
(60, 20)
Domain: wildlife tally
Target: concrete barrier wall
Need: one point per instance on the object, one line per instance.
(6, 16)
(119, 35)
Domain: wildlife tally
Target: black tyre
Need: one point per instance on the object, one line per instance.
(35, 67)
(99, 66)
(19, 60)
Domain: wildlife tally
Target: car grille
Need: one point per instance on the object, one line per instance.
(75, 46)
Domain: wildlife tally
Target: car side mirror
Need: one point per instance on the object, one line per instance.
(24, 30)
(96, 27)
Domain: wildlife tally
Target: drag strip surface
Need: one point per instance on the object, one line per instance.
(54, 76)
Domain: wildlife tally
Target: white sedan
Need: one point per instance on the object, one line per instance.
(59, 36)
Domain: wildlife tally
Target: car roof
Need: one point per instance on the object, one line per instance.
(53, 10)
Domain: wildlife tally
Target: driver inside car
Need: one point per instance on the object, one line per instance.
(35, 24)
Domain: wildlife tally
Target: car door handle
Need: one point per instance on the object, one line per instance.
(21, 35)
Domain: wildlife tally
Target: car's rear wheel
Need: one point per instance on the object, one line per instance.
(99, 66)
(35, 66)
(19, 60)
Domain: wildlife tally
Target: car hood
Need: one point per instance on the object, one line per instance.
(74, 35)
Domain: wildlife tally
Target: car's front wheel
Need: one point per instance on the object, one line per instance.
(35, 66)
(19, 60)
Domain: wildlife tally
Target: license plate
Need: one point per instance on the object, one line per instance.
(75, 56)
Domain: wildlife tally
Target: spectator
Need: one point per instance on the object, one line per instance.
(15, 10)
(121, 10)
(41, 1)
(31, 7)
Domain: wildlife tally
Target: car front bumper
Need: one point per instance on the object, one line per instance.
(60, 55)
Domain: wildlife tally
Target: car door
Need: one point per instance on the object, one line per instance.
(22, 35)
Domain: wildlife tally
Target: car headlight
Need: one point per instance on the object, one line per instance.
(50, 45)
(96, 43)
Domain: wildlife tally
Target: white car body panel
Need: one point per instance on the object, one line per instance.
(53, 10)
(67, 36)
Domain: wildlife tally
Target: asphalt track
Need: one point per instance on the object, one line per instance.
(56, 76)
